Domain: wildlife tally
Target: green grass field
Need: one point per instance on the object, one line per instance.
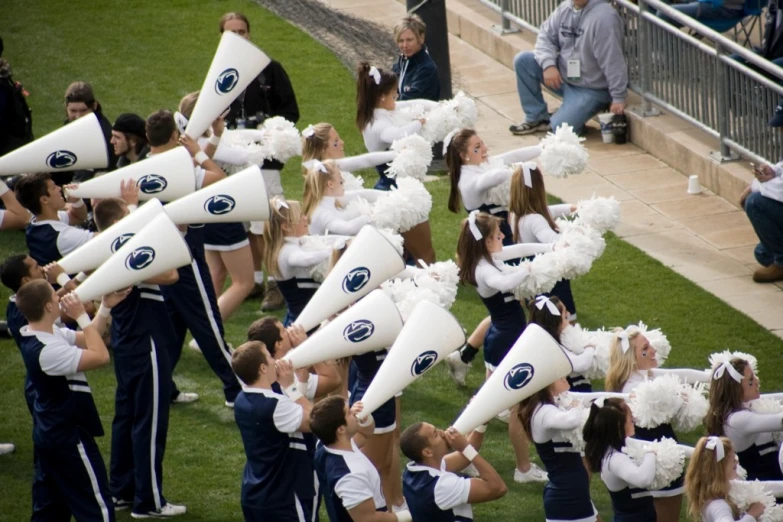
(141, 56)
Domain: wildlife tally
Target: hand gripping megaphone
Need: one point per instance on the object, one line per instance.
(368, 261)
(429, 335)
(90, 255)
(155, 249)
(534, 362)
(371, 324)
(239, 197)
(237, 62)
(166, 176)
(78, 145)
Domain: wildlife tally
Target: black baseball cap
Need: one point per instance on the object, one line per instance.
(130, 123)
(777, 117)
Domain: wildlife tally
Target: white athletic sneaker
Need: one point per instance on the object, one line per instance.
(185, 398)
(167, 511)
(193, 345)
(229, 405)
(6, 448)
(504, 416)
(534, 474)
(120, 504)
(458, 369)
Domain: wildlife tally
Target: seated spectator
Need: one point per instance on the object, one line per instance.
(129, 139)
(417, 72)
(579, 56)
(772, 44)
(707, 10)
(763, 203)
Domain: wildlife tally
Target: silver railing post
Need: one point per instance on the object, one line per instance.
(645, 60)
(505, 24)
(723, 109)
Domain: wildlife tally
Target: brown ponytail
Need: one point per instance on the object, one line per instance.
(368, 93)
(454, 152)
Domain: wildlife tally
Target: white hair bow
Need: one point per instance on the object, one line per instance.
(599, 401)
(315, 164)
(624, 342)
(526, 168)
(473, 227)
(376, 75)
(723, 368)
(715, 444)
(181, 121)
(280, 203)
(308, 132)
(543, 300)
(447, 140)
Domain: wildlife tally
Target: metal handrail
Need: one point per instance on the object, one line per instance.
(696, 78)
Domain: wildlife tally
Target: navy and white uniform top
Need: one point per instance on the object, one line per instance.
(50, 240)
(382, 131)
(476, 180)
(137, 319)
(296, 281)
(328, 217)
(533, 228)
(751, 434)
(436, 495)
(627, 483)
(349, 479)
(719, 510)
(63, 405)
(278, 472)
(549, 422)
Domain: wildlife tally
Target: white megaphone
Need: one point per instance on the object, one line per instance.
(239, 197)
(368, 261)
(78, 145)
(429, 335)
(155, 249)
(534, 362)
(237, 62)
(371, 324)
(167, 176)
(101, 247)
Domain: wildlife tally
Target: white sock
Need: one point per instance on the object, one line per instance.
(258, 277)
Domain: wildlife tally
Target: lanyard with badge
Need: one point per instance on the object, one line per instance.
(574, 66)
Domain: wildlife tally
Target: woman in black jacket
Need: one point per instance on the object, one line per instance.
(417, 72)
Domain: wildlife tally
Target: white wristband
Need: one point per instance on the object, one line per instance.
(404, 516)
(83, 321)
(78, 204)
(481, 429)
(366, 422)
(104, 311)
(131, 208)
(201, 157)
(81, 277)
(214, 140)
(470, 453)
(293, 393)
(3, 187)
(63, 279)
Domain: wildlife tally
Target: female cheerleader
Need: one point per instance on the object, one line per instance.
(733, 386)
(609, 424)
(472, 176)
(226, 244)
(533, 221)
(567, 494)
(479, 238)
(712, 467)
(376, 101)
(632, 361)
(551, 315)
(286, 260)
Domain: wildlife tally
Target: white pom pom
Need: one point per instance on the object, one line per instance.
(442, 278)
(719, 358)
(602, 214)
(658, 340)
(466, 109)
(393, 238)
(669, 459)
(602, 341)
(744, 493)
(358, 206)
(565, 401)
(403, 207)
(694, 407)
(414, 155)
(282, 139)
(656, 401)
(563, 152)
(313, 244)
(256, 153)
(406, 294)
(772, 406)
(574, 339)
(352, 182)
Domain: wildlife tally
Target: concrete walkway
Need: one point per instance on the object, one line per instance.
(704, 238)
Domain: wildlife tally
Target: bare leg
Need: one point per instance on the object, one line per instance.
(395, 487)
(217, 270)
(257, 248)
(239, 264)
(668, 508)
(418, 241)
(516, 435)
(379, 449)
(476, 339)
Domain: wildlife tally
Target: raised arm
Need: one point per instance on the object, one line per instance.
(557, 419)
(347, 227)
(522, 250)
(520, 155)
(305, 259)
(637, 476)
(748, 421)
(389, 133)
(582, 362)
(366, 161)
(502, 281)
(688, 375)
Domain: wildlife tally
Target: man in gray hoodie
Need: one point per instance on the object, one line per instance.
(579, 56)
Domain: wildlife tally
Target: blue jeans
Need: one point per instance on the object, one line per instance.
(703, 11)
(579, 103)
(766, 216)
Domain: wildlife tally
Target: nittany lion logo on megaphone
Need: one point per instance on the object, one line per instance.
(226, 81)
(518, 376)
(140, 258)
(61, 159)
(358, 331)
(424, 362)
(220, 204)
(119, 241)
(152, 184)
(356, 279)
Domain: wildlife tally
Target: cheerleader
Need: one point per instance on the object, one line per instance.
(479, 238)
(289, 263)
(734, 386)
(551, 315)
(567, 494)
(227, 245)
(472, 174)
(533, 221)
(632, 361)
(376, 101)
(610, 422)
(708, 481)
